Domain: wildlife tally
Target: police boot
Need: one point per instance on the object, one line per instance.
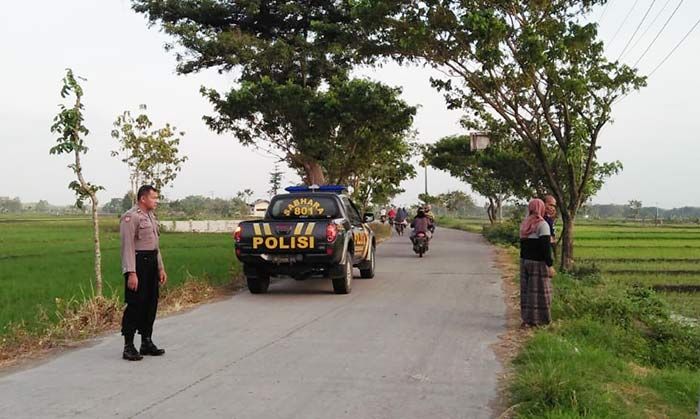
(130, 352)
(150, 348)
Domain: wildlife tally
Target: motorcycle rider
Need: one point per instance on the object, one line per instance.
(382, 215)
(392, 215)
(420, 224)
(429, 213)
(401, 214)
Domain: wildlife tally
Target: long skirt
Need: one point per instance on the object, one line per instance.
(535, 292)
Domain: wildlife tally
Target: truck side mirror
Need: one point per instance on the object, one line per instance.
(368, 217)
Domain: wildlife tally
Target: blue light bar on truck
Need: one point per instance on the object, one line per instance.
(315, 188)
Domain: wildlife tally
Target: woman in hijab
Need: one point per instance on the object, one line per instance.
(536, 270)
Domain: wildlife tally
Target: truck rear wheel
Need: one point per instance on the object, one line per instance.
(258, 284)
(367, 269)
(343, 284)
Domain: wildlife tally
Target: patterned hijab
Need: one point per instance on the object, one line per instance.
(535, 210)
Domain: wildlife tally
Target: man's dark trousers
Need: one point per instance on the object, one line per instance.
(142, 304)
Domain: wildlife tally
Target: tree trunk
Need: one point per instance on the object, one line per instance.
(314, 173)
(98, 255)
(490, 210)
(567, 242)
(95, 223)
(498, 213)
(134, 189)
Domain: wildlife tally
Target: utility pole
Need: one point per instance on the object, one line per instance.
(426, 179)
(656, 221)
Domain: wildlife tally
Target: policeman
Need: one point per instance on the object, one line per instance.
(142, 266)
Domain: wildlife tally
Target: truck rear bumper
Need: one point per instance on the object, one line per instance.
(254, 264)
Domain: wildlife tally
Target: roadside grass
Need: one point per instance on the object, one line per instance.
(684, 303)
(617, 348)
(645, 266)
(473, 225)
(49, 260)
(381, 231)
(652, 278)
(675, 253)
(613, 352)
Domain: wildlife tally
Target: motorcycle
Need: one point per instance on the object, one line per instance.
(420, 244)
(383, 219)
(400, 226)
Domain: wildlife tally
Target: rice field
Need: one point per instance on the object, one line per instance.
(42, 260)
(646, 255)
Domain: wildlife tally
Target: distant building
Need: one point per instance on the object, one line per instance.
(259, 207)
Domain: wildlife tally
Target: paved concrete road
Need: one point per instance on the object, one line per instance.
(412, 343)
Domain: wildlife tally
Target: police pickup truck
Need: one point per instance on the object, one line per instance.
(308, 231)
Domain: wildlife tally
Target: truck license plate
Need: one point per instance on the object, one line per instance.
(280, 259)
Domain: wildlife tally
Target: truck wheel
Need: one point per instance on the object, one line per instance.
(367, 270)
(258, 284)
(343, 284)
(301, 277)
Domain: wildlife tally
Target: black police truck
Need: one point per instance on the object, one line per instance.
(307, 231)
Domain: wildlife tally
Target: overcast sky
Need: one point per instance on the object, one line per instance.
(654, 134)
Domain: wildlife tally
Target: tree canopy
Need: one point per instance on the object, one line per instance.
(293, 95)
(537, 67)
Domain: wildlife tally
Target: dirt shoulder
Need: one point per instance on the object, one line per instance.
(510, 342)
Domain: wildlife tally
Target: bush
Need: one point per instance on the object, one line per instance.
(503, 233)
(587, 272)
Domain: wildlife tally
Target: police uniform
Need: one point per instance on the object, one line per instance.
(140, 254)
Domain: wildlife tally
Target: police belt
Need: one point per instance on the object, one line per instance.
(147, 252)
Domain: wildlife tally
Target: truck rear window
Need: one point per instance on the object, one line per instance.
(295, 206)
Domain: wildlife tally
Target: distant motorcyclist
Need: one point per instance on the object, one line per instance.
(429, 213)
(392, 215)
(401, 215)
(421, 224)
(427, 209)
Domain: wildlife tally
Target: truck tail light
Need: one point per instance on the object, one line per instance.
(331, 232)
(237, 234)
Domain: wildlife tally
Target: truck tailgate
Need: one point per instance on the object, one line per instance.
(282, 236)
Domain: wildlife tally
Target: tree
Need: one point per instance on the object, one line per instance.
(457, 202)
(114, 206)
(371, 128)
(68, 124)
(10, 205)
(151, 154)
(42, 206)
(128, 201)
(293, 96)
(635, 208)
(498, 173)
(195, 206)
(430, 199)
(537, 67)
(275, 181)
(380, 183)
(245, 195)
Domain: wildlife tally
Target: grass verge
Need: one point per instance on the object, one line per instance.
(473, 225)
(381, 231)
(614, 351)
